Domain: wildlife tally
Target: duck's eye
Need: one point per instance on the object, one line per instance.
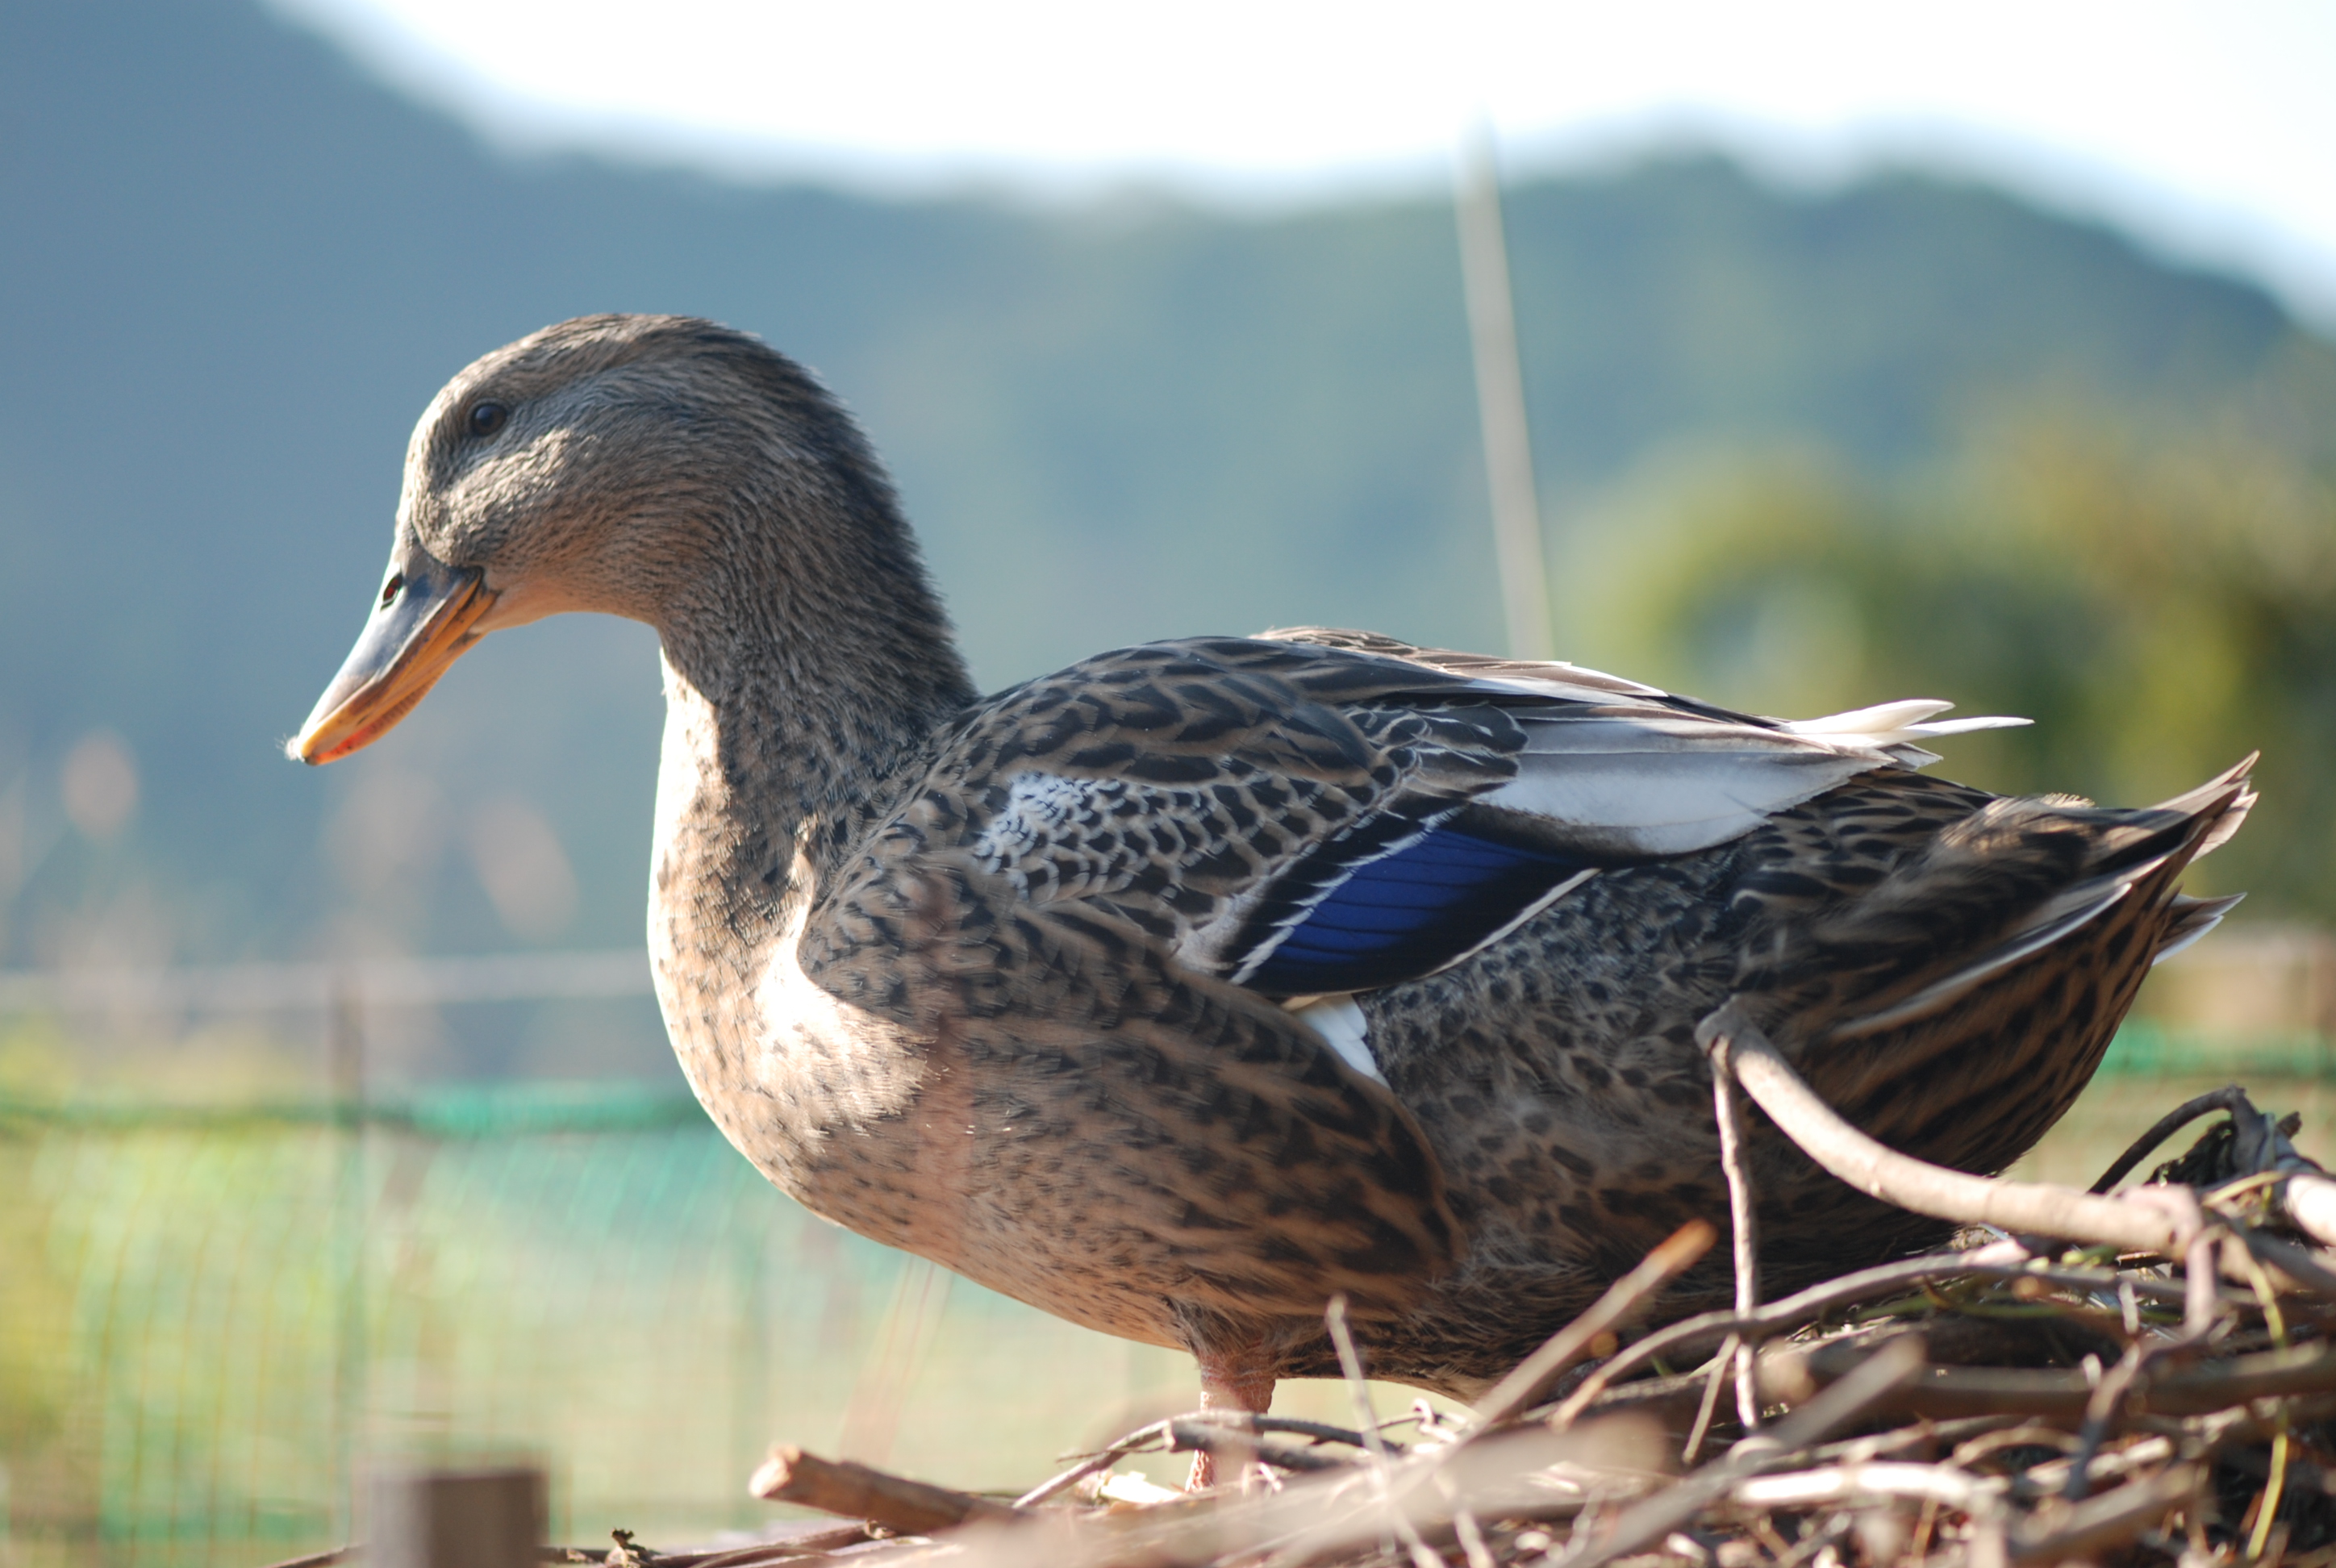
(392, 589)
(486, 418)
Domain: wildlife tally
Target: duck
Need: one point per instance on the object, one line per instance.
(1185, 989)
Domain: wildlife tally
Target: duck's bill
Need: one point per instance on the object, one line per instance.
(414, 634)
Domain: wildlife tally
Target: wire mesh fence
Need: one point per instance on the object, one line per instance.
(215, 1319)
(213, 1316)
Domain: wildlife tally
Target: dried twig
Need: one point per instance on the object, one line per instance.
(1647, 1522)
(1228, 1441)
(1730, 1349)
(1351, 1362)
(1103, 1459)
(849, 1487)
(1517, 1392)
(2107, 1520)
(2165, 1127)
(1950, 1392)
(1999, 1261)
(2023, 1207)
(1742, 1217)
(1836, 1483)
(791, 1549)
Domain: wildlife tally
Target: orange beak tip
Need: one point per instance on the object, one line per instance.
(406, 646)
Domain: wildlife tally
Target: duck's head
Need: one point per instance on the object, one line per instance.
(598, 464)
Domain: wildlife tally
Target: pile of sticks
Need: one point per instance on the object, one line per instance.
(2143, 1376)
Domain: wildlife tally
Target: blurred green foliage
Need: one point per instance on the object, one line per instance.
(2159, 595)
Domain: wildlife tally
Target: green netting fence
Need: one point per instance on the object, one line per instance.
(211, 1318)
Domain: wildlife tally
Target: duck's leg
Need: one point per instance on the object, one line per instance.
(1240, 1378)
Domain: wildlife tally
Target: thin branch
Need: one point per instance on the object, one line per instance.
(791, 1549)
(1743, 1217)
(323, 1559)
(1323, 1431)
(1994, 1261)
(1105, 1459)
(2105, 1404)
(2024, 1207)
(1644, 1523)
(1155, 1432)
(1839, 1483)
(1350, 1363)
(2303, 1268)
(2108, 1520)
(2067, 1395)
(1705, 1406)
(1523, 1388)
(1227, 1442)
(2165, 1127)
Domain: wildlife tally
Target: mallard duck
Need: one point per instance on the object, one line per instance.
(1181, 990)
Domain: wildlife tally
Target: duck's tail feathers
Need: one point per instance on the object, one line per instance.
(2193, 823)
(2226, 798)
(2193, 919)
(2056, 920)
(2156, 846)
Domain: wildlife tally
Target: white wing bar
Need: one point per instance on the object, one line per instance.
(1665, 782)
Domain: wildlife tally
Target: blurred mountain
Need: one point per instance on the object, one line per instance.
(236, 268)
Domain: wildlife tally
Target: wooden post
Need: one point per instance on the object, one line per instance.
(456, 1519)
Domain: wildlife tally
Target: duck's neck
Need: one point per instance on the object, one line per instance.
(804, 677)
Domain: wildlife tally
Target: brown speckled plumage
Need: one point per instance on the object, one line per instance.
(1013, 982)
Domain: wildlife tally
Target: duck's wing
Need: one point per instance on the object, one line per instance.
(1318, 816)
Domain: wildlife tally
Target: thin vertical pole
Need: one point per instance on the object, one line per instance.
(750, 1372)
(1501, 402)
(346, 1022)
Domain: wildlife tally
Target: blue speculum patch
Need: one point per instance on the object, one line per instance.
(1409, 914)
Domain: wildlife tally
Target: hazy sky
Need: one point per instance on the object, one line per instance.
(2209, 128)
